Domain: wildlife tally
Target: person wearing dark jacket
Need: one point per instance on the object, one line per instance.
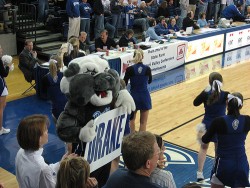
(99, 17)
(127, 38)
(189, 22)
(117, 8)
(233, 12)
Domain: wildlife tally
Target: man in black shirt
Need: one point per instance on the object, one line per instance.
(189, 22)
(104, 43)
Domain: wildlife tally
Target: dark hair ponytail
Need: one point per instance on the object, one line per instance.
(233, 105)
(215, 94)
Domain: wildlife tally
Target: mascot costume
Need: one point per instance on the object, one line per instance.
(92, 88)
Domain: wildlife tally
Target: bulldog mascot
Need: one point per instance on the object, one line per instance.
(92, 88)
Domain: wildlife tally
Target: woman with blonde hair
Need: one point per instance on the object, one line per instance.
(51, 84)
(74, 173)
(140, 76)
(73, 51)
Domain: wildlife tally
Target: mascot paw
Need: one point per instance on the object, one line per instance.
(88, 133)
(125, 100)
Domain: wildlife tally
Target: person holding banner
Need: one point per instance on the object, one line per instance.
(214, 100)
(140, 76)
(231, 166)
(140, 153)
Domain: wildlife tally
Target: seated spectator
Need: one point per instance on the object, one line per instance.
(140, 154)
(140, 17)
(189, 22)
(202, 22)
(28, 59)
(159, 176)
(172, 27)
(82, 39)
(31, 169)
(248, 12)
(151, 30)
(174, 11)
(161, 28)
(51, 84)
(85, 11)
(74, 172)
(233, 12)
(163, 10)
(73, 51)
(127, 38)
(104, 43)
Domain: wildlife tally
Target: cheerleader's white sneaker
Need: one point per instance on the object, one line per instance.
(4, 131)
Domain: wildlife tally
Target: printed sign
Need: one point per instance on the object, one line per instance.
(107, 144)
(237, 39)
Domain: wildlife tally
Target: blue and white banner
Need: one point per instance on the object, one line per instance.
(106, 146)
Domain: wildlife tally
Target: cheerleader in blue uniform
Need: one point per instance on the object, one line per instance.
(231, 166)
(140, 76)
(4, 71)
(214, 100)
(51, 83)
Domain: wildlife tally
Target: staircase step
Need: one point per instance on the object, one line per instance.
(39, 33)
(49, 46)
(45, 55)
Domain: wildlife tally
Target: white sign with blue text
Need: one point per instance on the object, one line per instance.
(106, 146)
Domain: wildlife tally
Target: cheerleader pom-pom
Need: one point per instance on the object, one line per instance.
(201, 130)
(11, 67)
(6, 59)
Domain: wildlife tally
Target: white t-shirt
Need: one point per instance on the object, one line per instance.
(33, 172)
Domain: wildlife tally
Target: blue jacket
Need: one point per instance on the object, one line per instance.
(175, 28)
(231, 11)
(72, 8)
(151, 33)
(160, 29)
(85, 10)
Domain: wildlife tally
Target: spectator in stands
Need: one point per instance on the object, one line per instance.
(223, 4)
(85, 11)
(73, 12)
(129, 11)
(172, 27)
(233, 12)
(51, 84)
(151, 30)
(28, 59)
(189, 22)
(192, 5)
(99, 17)
(216, 9)
(4, 16)
(4, 71)
(202, 22)
(116, 7)
(140, 76)
(73, 51)
(163, 10)
(161, 28)
(31, 169)
(248, 12)
(140, 17)
(43, 5)
(104, 43)
(203, 6)
(127, 38)
(140, 154)
(82, 38)
(74, 172)
(109, 27)
(159, 176)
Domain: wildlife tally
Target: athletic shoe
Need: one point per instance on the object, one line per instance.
(200, 176)
(4, 131)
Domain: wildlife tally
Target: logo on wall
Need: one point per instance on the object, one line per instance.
(181, 51)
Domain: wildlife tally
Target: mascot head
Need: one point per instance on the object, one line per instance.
(89, 79)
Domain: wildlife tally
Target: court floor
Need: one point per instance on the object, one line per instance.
(172, 116)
